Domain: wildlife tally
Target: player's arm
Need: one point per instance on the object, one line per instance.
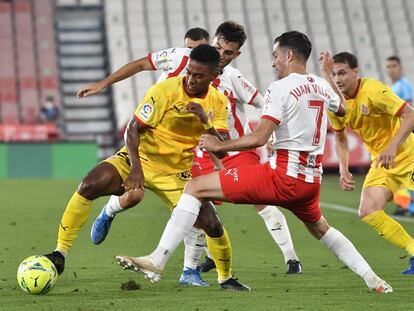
(386, 158)
(257, 138)
(122, 73)
(198, 111)
(327, 69)
(135, 179)
(346, 180)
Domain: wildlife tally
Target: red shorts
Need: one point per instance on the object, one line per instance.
(260, 184)
(204, 165)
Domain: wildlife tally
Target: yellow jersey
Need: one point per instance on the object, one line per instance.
(171, 132)
(373, 113)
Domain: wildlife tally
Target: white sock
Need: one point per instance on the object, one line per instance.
(194, 243)
(112, 207)
(208, 253)
(337, 243)
(278, 228)
(182, 220)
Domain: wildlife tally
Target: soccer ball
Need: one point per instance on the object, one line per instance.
(37, 275)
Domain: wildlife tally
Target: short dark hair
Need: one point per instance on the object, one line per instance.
(394, 58)
(297, 41)
(346, 58)
(197, 33)
(207, 55)
(231, 31)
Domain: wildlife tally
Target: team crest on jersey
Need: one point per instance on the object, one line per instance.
(364, 109)
(184, 176)
(310, 79)
(146, 111)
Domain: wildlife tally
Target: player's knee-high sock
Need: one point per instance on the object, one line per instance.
(194, 243)
(278, 228)
(76, 213)
(221, 252)
(390, 230)
(182, 220)
(336, 242)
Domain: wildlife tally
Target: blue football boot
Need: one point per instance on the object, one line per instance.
(192, 277)
(100, 227)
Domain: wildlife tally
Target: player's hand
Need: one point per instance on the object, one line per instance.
(387, 158)
(198, 111)
(326, 61)
(346, 181)
(90, 89)
(209, 142)
(135, 180)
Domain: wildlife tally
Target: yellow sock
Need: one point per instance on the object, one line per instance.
(390, 230)
(220, 250)
(76, 213)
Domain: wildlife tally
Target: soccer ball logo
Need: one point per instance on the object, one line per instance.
(37, 275)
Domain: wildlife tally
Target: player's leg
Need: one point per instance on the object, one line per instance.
(258, 178)
(102, 180)
(274, 220)
(278, 228)
(219, 245)
(182, 220)
(343, 248)
(371, 211)
(115, 205)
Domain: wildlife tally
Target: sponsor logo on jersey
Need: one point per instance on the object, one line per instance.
(146, 111)
(233, 172)
(364, 109)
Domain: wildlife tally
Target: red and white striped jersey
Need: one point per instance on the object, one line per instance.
(298, 104)
(239, 92)
(230, 82)
(172, 62)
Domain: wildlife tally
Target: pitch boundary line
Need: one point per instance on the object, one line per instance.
(350, 210)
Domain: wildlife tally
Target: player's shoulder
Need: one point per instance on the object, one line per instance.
(231, 71)
(215, 94)
(372, 85)
(168, 86)
(406, 83)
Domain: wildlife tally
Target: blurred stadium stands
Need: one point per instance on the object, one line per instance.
(52, 48)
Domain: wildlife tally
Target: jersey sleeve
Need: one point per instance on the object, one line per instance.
(273, 105)
(337, 123)
(162, 60)
(384, 99)
(151, 108)
(220, 116)
(245, 91)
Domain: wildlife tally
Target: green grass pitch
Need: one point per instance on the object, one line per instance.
(30, 212)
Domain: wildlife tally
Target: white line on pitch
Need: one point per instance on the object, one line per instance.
(351, 210)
